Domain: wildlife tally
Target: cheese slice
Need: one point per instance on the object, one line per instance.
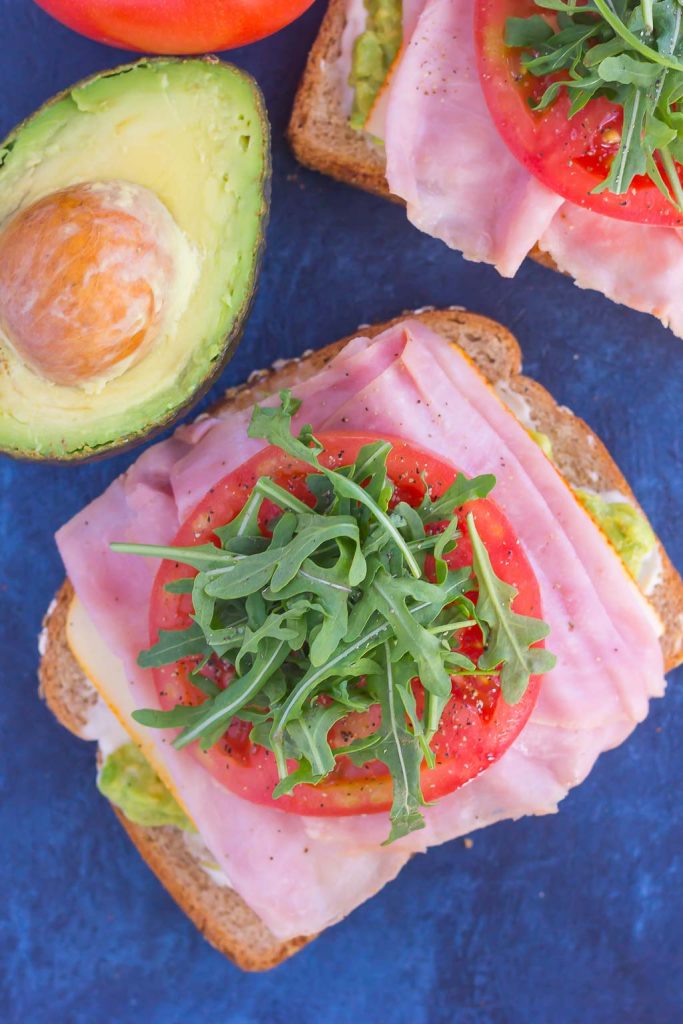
(107, 674)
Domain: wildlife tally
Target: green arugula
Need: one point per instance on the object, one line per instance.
(334, 613)
(630, 51)
(509, 636)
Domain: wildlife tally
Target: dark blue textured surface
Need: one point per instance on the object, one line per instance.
(573, 919)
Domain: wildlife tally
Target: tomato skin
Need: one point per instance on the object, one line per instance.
(477, 726)
(175, 26)
(569, 155)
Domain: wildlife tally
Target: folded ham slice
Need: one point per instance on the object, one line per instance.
(301, 874)
(444, 155)
(640, 265)
(462, 184)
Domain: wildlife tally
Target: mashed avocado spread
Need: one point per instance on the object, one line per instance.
(543, 442)
(626, 528)
(130, 782)
(373, 54)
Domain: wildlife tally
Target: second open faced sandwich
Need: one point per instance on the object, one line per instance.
(514, 127)
(381, 597)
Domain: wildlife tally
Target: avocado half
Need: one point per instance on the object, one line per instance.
(196, 134)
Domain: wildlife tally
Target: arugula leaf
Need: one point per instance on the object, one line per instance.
(527, 32)
(332, 592)
(172, 645)
(370, 471)
(391, 597)
(630, 159)
(463, 490)
(203, 556)
(628, 71)
(510, 635)
(400, 750)
(596, 54)
(309, 735)
(219, 711)
(658, 134)
(182, 715)
(183, 586)
(567, 45)
(311, 534)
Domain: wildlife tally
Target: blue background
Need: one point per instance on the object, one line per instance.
(570, 918)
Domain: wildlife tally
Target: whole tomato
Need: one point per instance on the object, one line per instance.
(175, 26)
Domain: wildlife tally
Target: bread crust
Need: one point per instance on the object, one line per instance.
(219, 913)
(319, 132)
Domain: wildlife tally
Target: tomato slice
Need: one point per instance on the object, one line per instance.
(477, 725)
(569, 155)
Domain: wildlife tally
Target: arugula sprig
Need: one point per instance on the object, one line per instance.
(333, 614)
(630, 51)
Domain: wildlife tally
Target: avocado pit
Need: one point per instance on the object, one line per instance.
(86, 273)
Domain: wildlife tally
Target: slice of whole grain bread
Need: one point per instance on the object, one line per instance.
(319, 132)
(221, 915)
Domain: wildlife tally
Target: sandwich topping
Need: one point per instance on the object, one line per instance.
(410, 383)
(361, 631)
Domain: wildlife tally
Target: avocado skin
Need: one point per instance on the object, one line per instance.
(126, 442)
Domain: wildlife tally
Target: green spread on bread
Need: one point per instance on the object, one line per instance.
(128, 780)
(626, 528)
(373, 54)
(543, 442)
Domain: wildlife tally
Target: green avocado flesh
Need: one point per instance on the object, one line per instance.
(624, 526)
(128, 780)
(194, 133)
(373, 54)
(627, 530)
(543, 442)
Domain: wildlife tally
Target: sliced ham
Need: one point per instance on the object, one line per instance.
(445, 158)
(301, 874)
(639, 265)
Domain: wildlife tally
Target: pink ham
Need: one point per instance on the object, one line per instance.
(639, 265)
(444, 156)
(602, 629)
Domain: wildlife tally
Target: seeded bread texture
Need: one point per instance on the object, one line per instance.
(319, 132)
(583, 460)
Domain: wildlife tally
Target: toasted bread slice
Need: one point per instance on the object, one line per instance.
(220, 914)
(319, 132)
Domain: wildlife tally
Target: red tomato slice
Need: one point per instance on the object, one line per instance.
(175, 26)
(569, 155)
(477, 725)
